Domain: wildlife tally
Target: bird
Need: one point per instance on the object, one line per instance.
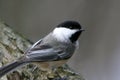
(53, 50)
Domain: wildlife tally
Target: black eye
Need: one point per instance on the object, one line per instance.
(70, 27)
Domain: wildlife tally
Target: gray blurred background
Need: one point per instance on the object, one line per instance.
(99, 53)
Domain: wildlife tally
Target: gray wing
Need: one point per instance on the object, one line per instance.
(42, 52)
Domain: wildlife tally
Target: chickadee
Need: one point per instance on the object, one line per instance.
(51, 51)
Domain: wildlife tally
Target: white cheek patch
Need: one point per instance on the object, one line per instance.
(63, 34)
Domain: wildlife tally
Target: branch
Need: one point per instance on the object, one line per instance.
(13, 45)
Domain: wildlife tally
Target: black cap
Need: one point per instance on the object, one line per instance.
(70, 24)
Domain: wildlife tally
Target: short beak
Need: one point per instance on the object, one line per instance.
(82, 30)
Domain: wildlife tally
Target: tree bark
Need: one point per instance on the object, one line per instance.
(13, 45)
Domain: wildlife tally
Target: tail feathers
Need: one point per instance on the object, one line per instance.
(7, 68)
